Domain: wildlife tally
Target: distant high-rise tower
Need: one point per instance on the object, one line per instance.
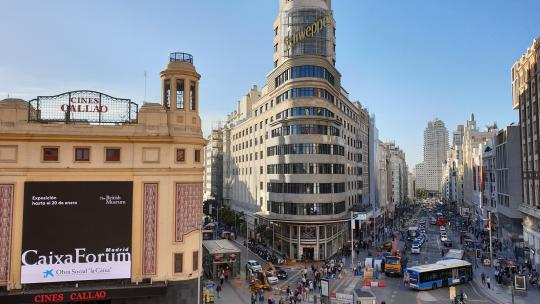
(435, 148)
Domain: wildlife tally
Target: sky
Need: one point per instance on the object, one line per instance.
(408, 62)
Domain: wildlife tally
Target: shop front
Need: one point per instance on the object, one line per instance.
(221, 256)
(90, 295)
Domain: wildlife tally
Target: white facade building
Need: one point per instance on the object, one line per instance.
(429, 173)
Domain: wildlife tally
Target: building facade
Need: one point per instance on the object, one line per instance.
(298, 156)
(474, 142)
(213, 165)
(113, 193)
(509, 190)
(429, 173)
(525, 99)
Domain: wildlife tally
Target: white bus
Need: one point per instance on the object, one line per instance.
(441, 274)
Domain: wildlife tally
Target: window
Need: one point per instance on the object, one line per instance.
(275, 63)
(178, 262)
(195, 260)
(275, 47)
(261, 185)
(50, 154)
(167, 95)
(82, 154)
(180, 155)
(275, 31)
(197, 156)
(112, 154)
(192, 97)
(179, 94)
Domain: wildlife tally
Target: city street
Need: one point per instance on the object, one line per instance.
(394, 290)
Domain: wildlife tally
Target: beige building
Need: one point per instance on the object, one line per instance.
(525, 99)
(58, 152)
(296, 151)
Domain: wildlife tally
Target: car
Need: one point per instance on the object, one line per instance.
(444, 237)
(253, 265)
(447, 243)
(415, 248)
(433, 221)
(281, 274)
(272, 279)
(442, 228)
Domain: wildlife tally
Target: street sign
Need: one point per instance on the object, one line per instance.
(359, 216)
(520, 282)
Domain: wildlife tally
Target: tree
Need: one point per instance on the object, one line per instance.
(421, 193)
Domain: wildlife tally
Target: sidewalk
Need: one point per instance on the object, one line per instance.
(501, 293)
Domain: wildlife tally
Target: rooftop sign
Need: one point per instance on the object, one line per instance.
(308, 31)
(83, 107)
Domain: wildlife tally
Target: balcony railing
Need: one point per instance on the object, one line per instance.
(180, 57)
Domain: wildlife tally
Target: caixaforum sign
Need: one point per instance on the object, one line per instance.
(76, 231)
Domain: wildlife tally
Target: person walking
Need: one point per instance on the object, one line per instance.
(218, 290)
(483, 278)
(488, 281)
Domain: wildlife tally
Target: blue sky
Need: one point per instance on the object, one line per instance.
(407, 61)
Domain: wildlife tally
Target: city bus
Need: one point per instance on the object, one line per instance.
(412, 233)
(441, 274)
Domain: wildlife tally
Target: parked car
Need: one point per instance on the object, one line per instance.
(444, 237)
(447, 243)
(442, 228)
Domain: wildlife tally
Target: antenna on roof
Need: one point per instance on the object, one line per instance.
(144, 86)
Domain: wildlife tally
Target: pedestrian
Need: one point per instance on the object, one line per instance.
(261, 298)
(483, 278)
(221, 278)
(488, 281)
(218, 290)
(253, 298)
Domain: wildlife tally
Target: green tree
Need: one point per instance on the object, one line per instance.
(421, 193)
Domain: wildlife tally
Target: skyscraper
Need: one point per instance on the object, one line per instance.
(429, 173)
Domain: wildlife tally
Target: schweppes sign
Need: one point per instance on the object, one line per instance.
(308, 31)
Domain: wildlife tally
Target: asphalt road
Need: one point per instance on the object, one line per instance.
(394, 291)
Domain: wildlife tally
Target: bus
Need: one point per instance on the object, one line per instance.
(456, 254)
(412, 233)
(441, 274)
(441, 220)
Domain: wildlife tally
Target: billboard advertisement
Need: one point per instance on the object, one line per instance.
(76, 231)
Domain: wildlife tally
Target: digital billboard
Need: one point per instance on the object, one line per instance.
(76, 231)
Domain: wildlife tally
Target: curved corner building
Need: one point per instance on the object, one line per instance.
(296, 152)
